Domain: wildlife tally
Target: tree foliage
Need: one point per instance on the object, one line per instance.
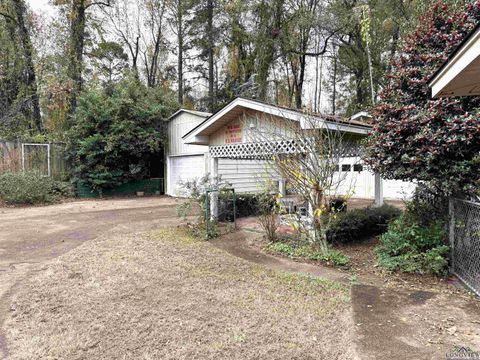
(116, 133)
(418, 138)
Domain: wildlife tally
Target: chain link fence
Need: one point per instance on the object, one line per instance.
(465, 241)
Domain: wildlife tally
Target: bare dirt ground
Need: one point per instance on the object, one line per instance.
(164, 295)
(33, 235)
(396, 316)
(102, 280)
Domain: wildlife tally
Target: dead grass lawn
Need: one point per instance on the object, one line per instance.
(165, 295)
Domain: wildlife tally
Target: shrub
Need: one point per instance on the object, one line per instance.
(118, 132)
(247, 205)
(27, 188)
(416, 137)
(196, 190)
(410, 247)
(306, 251)
(268, 214)
(358, 224)
(428, 205)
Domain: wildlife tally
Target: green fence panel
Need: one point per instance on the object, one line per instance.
(147, 186)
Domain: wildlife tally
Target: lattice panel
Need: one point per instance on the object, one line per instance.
(265, 150)
(466, 242)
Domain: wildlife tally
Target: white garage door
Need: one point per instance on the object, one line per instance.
(183, 168)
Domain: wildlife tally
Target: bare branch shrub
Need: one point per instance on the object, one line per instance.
(307, 154)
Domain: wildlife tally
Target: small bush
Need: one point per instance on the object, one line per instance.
(306, 251)
(63, 189)
(247, 205)
(338, 204)
(410, 247)
(358, 224)
(27, 188)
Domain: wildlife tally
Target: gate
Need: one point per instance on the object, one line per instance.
(220, 207)
(465, 241)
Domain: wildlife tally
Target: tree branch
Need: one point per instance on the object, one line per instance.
(9, 17)
(100, 3)
(319, 53)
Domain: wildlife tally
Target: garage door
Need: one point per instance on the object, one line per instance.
(183, 168)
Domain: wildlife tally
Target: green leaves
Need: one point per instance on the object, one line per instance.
(410, 247)
(118, 133)
(436, 141)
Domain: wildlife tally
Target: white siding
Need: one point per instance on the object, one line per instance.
(362, 184)
(179, 126)
(250, 176)
(274, 128)
(183, 168)
(245, 175)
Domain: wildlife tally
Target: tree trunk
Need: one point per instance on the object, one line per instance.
(75, 51)
(30, 76)
(266, 47)
(211, 76)
(180, 51)
(334, 81)
(393, 48)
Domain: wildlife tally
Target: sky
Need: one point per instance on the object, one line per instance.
(39, 5)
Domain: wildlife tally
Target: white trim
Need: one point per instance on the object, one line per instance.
(193, 112)
(469, 52)
(361, 114)
(197, 138)
(188, 154)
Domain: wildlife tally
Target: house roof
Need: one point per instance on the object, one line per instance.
(459, 75)
(234, 109)
(193, 112)
(360, 115)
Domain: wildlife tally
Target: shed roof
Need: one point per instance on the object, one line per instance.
(234, 109)
(193, 112)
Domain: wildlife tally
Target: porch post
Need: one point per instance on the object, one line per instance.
(378, 190)
(214, 195)
(282, 187)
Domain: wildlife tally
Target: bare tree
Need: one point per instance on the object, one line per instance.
(308, 154)
(124, 16)
(154, 41)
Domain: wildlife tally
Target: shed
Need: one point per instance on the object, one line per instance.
(183, 161)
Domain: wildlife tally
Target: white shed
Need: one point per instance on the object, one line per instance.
(184, 161)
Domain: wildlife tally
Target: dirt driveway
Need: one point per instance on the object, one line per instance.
(31, 236)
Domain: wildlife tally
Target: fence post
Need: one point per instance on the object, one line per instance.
(49, 161)
(451, 232)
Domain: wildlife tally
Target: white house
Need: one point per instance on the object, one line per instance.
(223, 144)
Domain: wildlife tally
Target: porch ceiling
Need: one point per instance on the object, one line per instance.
(460, 75)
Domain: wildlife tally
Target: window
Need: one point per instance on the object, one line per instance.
(358, 167)
(336, 168)
(346, 167)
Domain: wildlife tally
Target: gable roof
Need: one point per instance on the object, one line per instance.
(193, 112)
(234, 109)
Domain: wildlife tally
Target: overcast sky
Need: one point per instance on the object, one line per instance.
(39, 5)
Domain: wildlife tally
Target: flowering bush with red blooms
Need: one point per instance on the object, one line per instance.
(435, 141)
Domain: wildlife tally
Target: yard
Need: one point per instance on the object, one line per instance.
(121, 279)
(160, 294)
